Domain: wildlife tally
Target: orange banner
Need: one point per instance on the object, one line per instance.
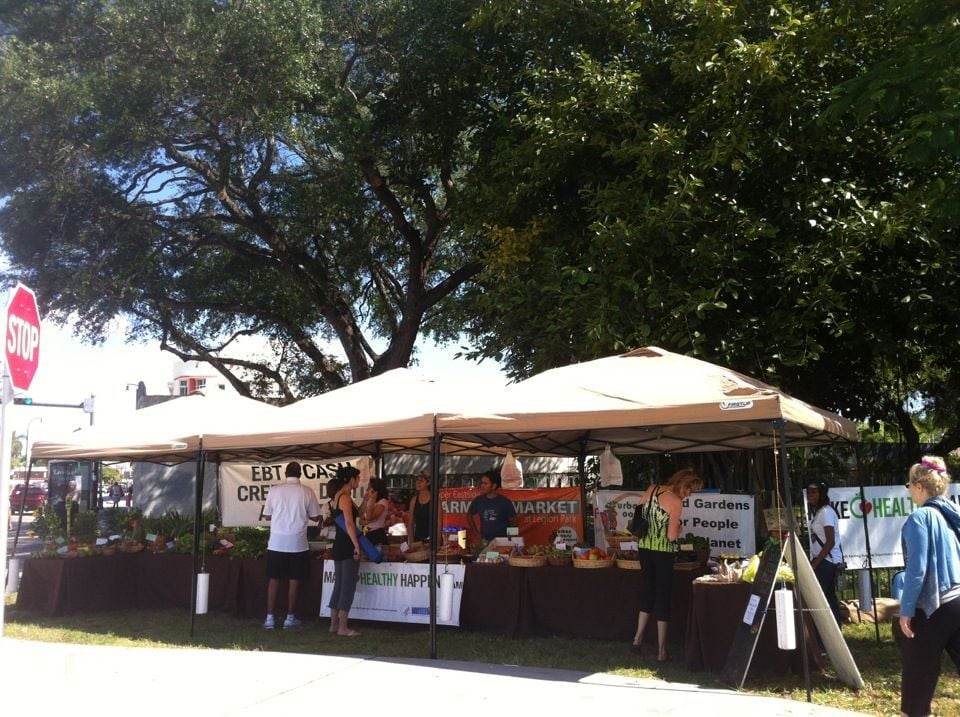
(542, 513)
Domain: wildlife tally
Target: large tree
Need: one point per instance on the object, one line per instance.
(670, 176)
(214, 169)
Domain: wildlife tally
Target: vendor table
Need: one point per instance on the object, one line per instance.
(600, 603)
(715, 611)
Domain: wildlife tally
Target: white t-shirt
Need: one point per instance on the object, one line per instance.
(289, 506)
(826, 516)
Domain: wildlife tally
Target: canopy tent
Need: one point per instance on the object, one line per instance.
(394, 412)
(645, 401)
(167, 432)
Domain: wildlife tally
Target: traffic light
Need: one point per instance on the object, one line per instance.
(23, 401)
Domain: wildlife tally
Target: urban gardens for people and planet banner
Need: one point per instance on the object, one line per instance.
(543, 514)
(725, 519)
(396, 592)
(244, 486)
(887, 508)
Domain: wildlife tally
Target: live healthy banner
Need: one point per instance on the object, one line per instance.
(244, 486)
(725, 519)
(542, 513)
(887, 509)
(395, 592)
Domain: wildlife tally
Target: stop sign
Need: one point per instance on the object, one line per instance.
(22, 344)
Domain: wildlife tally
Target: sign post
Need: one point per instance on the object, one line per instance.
(21, 349)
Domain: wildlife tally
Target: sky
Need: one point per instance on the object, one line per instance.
(71, 371)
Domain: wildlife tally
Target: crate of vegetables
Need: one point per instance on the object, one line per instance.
(629, 560)
(592, 559)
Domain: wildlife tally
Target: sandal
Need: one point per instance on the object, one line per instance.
(349, 633)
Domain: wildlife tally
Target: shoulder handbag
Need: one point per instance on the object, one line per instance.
(640, 523)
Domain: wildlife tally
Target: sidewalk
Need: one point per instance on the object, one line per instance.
(221, 682)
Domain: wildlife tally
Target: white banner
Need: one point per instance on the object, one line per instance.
(244, 486)
(887, 508)
(395, 592)
(725, 519)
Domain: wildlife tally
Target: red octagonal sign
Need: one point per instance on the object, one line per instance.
(22, 337)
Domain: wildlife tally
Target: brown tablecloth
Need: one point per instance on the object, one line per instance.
(574, 602)
(715, 612)
(251, 597)
(70, 586)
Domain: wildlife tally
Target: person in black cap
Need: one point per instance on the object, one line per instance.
(289, 507)
(825, 552)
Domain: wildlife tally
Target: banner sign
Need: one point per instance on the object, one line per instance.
(542, 513)
(887, 508)
(725, 519)
(244, 486)
(395, 592)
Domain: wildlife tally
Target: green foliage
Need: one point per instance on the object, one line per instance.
(284, 168)
(668, 174)
(110, 475)
(83, 527)
(46, 524)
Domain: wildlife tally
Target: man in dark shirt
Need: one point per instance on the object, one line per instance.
(490, 513)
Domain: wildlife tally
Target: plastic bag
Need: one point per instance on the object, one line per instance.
(751, 571)
(511, 473)
(611, 472)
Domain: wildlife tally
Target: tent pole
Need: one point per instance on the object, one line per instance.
(780, 427)
(866, 535)
(198, 504)
(377, 460)
(434, 517)
(23, 503)
(582, 474)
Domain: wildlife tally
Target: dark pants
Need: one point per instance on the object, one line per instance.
(656, 583)
(826, 573)
(345, 574)
(921, 656)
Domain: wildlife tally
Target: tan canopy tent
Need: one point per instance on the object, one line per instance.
(646, 401)
(167, 432)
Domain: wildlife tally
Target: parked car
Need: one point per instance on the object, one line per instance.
(36, 496)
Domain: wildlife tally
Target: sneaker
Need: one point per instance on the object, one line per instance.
(268, 623)
(291, 622)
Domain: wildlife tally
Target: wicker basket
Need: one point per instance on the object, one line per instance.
(593, 564)
(417, 556)
(527, 561)
(628, 564)
(614, 540)
(560, 561)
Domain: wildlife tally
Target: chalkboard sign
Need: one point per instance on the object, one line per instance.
(748, 629)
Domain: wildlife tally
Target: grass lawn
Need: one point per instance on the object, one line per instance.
(879, 664)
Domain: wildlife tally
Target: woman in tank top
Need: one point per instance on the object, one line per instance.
(346, 552)
(375, 509)
(663, 505)
(418, 522)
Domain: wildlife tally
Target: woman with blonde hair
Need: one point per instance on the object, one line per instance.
(929, 608)
(662, 505)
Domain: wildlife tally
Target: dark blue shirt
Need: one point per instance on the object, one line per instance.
(495, 515)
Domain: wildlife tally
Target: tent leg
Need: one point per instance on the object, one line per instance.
(582, 475)
(434, 537)
(866, 535)
(781, 429)
(23, 503)
(198, 505)
(377, 460)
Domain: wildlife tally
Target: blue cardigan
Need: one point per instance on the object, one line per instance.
(932, 557)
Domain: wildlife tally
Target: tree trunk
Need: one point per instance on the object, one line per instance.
(908, 433)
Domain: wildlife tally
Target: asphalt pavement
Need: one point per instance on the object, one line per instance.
(86, 679)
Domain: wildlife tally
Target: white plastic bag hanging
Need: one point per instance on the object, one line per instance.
(611, 472)
(511, 474)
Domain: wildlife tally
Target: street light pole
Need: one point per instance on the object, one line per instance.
(26, 448)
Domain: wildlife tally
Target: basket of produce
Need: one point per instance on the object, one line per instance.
(527, 561)
(417, 556)
(559, 558)
(593, 559)
(629, 560)
(614, 539)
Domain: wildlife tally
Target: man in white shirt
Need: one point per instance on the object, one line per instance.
(289, 507)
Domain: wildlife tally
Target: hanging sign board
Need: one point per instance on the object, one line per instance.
(543, 514)
(887, 509)
(244, 486)
(725, 519)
